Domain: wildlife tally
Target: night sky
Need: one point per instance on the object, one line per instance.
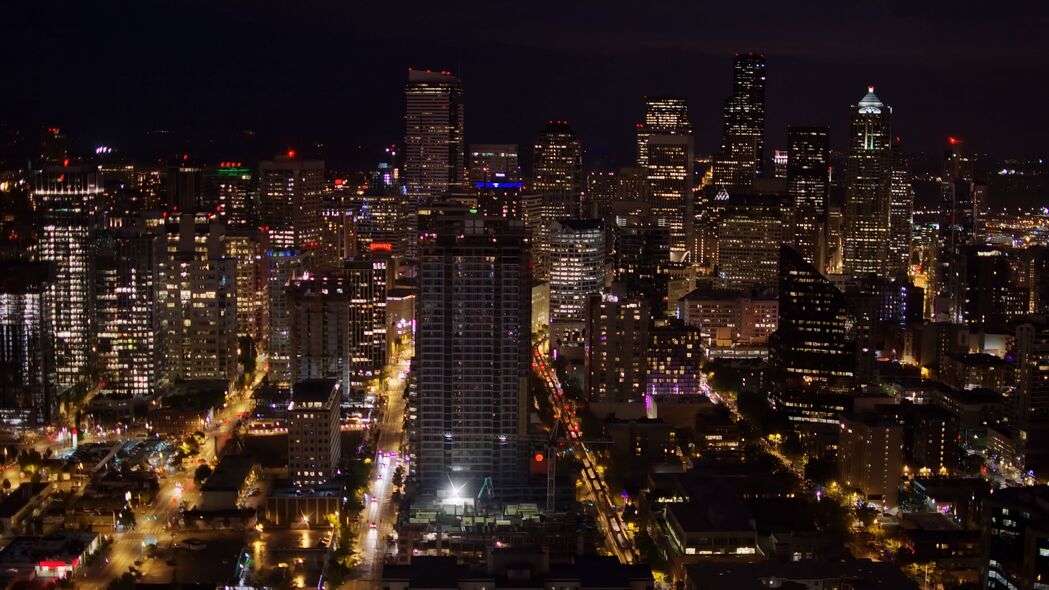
(301, 72)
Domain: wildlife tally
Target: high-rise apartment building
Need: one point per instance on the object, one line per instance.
(1015, 539)
(28, 387)
(868, 187)
(557, 165)
(290, 199)
(808, 189)
(66, 200)
(617, 340)
(366, 279)
(197, 295)
(319, 340)
(813, 348)
(577, 271)
(127, 311)
(313, 432)
(871, 456)
(743, 138)
(434, 154)
(472, 355)
(282, 266)
(244, 246)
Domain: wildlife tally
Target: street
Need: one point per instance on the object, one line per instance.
(608, 516)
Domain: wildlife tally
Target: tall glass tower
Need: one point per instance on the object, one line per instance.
(868, 187)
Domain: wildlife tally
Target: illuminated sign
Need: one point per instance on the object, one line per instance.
(499, 185)
(381, 247)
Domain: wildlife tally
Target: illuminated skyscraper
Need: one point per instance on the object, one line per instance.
(128, 346)
(750, 231)
(434, 160)
(743, 141)
(901, 209)
(27, 362)
(808, 184)
(245, 248)
(282, 266)
(577, 271)
(557, 166)
(66, 199)
(472, 355)
(868, 187)
(366, 279)
(663, 114)
(197, 297)
(290, 198)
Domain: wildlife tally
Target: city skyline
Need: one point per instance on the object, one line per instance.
(938, 92)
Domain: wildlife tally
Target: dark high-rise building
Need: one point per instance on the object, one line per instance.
(808, 189)
(616, 350)
(743, 138)
(813, 348)
(472, 354)
(434, 151)
(492, 165)
(319, 326)
(313, 432)
(640, 259)
(1031, 398)
(557, 165)
(1015, 539)
(868, 187)
(28, 385)
(665, 150)
(982, 293)
(282, 266)
(290, 198)
(185, 186)
(66, 201)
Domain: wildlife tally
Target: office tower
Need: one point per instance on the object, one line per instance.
(868, 187)
(313, 432)
(602, 190)
(66, 200)
(282, 265)
(808, 189)
(750, 231)
(1015, 539)
(640, 259)
(128, 340)
(493, 163)
(472, 353)
(633, 184)
(185, 186)
(434, 161)
(197, 295)
(28, 382)
(901, 208)
(319, 340)
(743, 126)
(290, 198)
(871, 456)
(366, 279)
(557, 166)
(229, 190)
(244, 247)
(813, 348)
(577, 271)
(663, 114)
(615, 354)
(670, 169)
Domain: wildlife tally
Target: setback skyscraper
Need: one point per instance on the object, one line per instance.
(743, 120)
(868, 187)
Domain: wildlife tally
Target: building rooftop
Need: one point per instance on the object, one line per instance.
(861, 573)
(313, 390)
(229, 474)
